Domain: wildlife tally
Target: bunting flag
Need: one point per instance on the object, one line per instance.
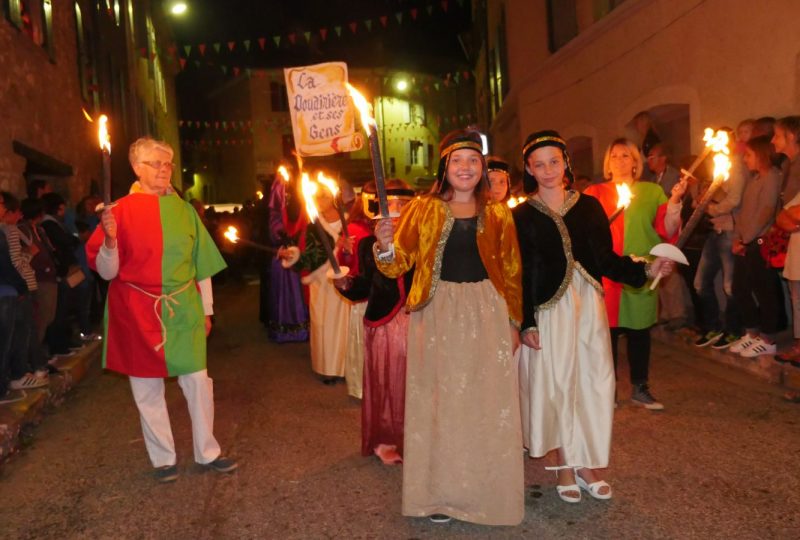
(368, 24)
(353, 26)
(231, 45)
(262, 42)
(338, 30)
(292, 37)
(323, 32)
(217, 47)
(247, 45)
(307, 36)
(384, 20)
(202, 49)
(399, 17)
(277, 40)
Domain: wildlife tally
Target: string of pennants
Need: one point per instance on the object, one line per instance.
(352, 26)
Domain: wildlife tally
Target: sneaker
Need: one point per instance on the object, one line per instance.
(709, 338)
(223, 465)
(642, 396)
(13, 397)
(440, 518)
(726, 341)
(43, 374)
(27, 382)
(166, 474)
(759, 348)
(741, 344)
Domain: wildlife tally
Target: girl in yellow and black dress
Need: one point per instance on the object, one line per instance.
(462, 428)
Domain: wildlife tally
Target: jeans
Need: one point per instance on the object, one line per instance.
(757, 290)
(717, 256)
(25, 355)
(8, 309)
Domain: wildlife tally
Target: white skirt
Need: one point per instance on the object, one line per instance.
(567, 387)
(329, 315)
(354, 359)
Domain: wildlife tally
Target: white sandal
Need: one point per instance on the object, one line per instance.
(594, 488)
(562, 490)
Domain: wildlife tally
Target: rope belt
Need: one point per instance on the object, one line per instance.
(168, 301)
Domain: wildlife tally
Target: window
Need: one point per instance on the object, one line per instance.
(34, 18)
(279, 100)
(416, 114)
(414, 153)
(13, 12)
(83, 56)
(562, 22)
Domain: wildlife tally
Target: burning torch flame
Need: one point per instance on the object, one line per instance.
(718, 142)
(624, 195)
(513, 202)
(309, 189)
(722, 166)
(329, 183)
(232, 234)
(362, 105)
(284, 173)
(260, 195)
(102, 134)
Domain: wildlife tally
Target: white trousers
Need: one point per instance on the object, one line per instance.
(199, 393)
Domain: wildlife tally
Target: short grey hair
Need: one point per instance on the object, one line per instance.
(145, 144)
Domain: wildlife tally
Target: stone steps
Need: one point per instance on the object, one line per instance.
(19, 416)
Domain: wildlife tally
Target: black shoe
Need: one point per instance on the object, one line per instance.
(223, 465)
(329, 381)
(641, 396)
(440, 518)
(724, 342)
(709, 338)
(166, 474)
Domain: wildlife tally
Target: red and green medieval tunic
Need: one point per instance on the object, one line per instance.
(640, 227)
(164, 250)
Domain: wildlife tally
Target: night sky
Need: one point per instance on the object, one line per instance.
(429, 44)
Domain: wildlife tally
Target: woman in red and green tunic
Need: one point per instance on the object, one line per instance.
(159, 259)
(648, 220)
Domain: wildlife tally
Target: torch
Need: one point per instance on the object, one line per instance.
(232, 234)
(624, 197)
(105, 148)
(722, 169)
(715, 142)
(284, 173)
(371, 127)
(309, 188)
(333, 187)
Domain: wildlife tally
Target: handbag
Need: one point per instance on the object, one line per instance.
(75, 276)
(773, 246)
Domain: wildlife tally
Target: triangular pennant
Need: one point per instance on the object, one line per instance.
(368, 24)
(180, 123)
(353, 26)
(249, 72)
(292, 37)
(436, 85)
(172, 49)
(187, 49)
(262, 42)
(444, 5)
(231, 45)
(217, 47)
(247, 45)
(308, 36)
(224, 69)
(323, 32)
(457, 77)
(202, 49)
(384, 20)
(216, 124)
(207, 124)
(338, 30)
(399, 17)
(183, 62)
(414, 12)
(466, 75)
(277, 40)
(236, 71)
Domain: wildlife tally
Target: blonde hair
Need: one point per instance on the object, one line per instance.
(638, 164)
(145, 144)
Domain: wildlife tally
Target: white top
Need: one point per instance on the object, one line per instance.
(791, 269)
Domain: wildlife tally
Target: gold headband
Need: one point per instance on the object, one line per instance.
(498, 169)
(472, 145)
(558, 140)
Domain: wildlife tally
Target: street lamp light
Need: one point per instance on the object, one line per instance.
(402, 85)
(178, 8)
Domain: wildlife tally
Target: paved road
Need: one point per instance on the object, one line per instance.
(721, 462)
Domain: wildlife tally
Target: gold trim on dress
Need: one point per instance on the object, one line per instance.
(447, 227)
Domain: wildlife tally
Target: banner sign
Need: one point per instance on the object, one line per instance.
(323, 115)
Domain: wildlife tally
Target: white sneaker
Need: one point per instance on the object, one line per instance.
(742, 343)
(27, 382)
(759, 348)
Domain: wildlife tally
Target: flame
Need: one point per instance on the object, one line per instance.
(309, 189)
(87, 115)
(102, 134)
(717, 142)
(232, 234)
(260, 195)
(363, 106)
(512, 202)
(329, 183)
(624, 195)
(722, 166)
(284, 173)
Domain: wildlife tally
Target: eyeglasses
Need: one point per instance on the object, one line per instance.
(158, 165)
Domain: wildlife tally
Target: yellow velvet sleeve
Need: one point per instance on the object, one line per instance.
(406, 242)
(511, 264)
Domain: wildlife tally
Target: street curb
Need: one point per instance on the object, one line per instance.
(764, 367)
(20, 415)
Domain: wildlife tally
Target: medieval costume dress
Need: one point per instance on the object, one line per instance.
(567, 387)
(155, 313)
(288, 313)
(462, 428)
(385, 323)
(329, 311)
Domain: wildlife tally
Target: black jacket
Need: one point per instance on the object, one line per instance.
(384, 295)
(552, 245)
(9, 274)
(64, 245)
